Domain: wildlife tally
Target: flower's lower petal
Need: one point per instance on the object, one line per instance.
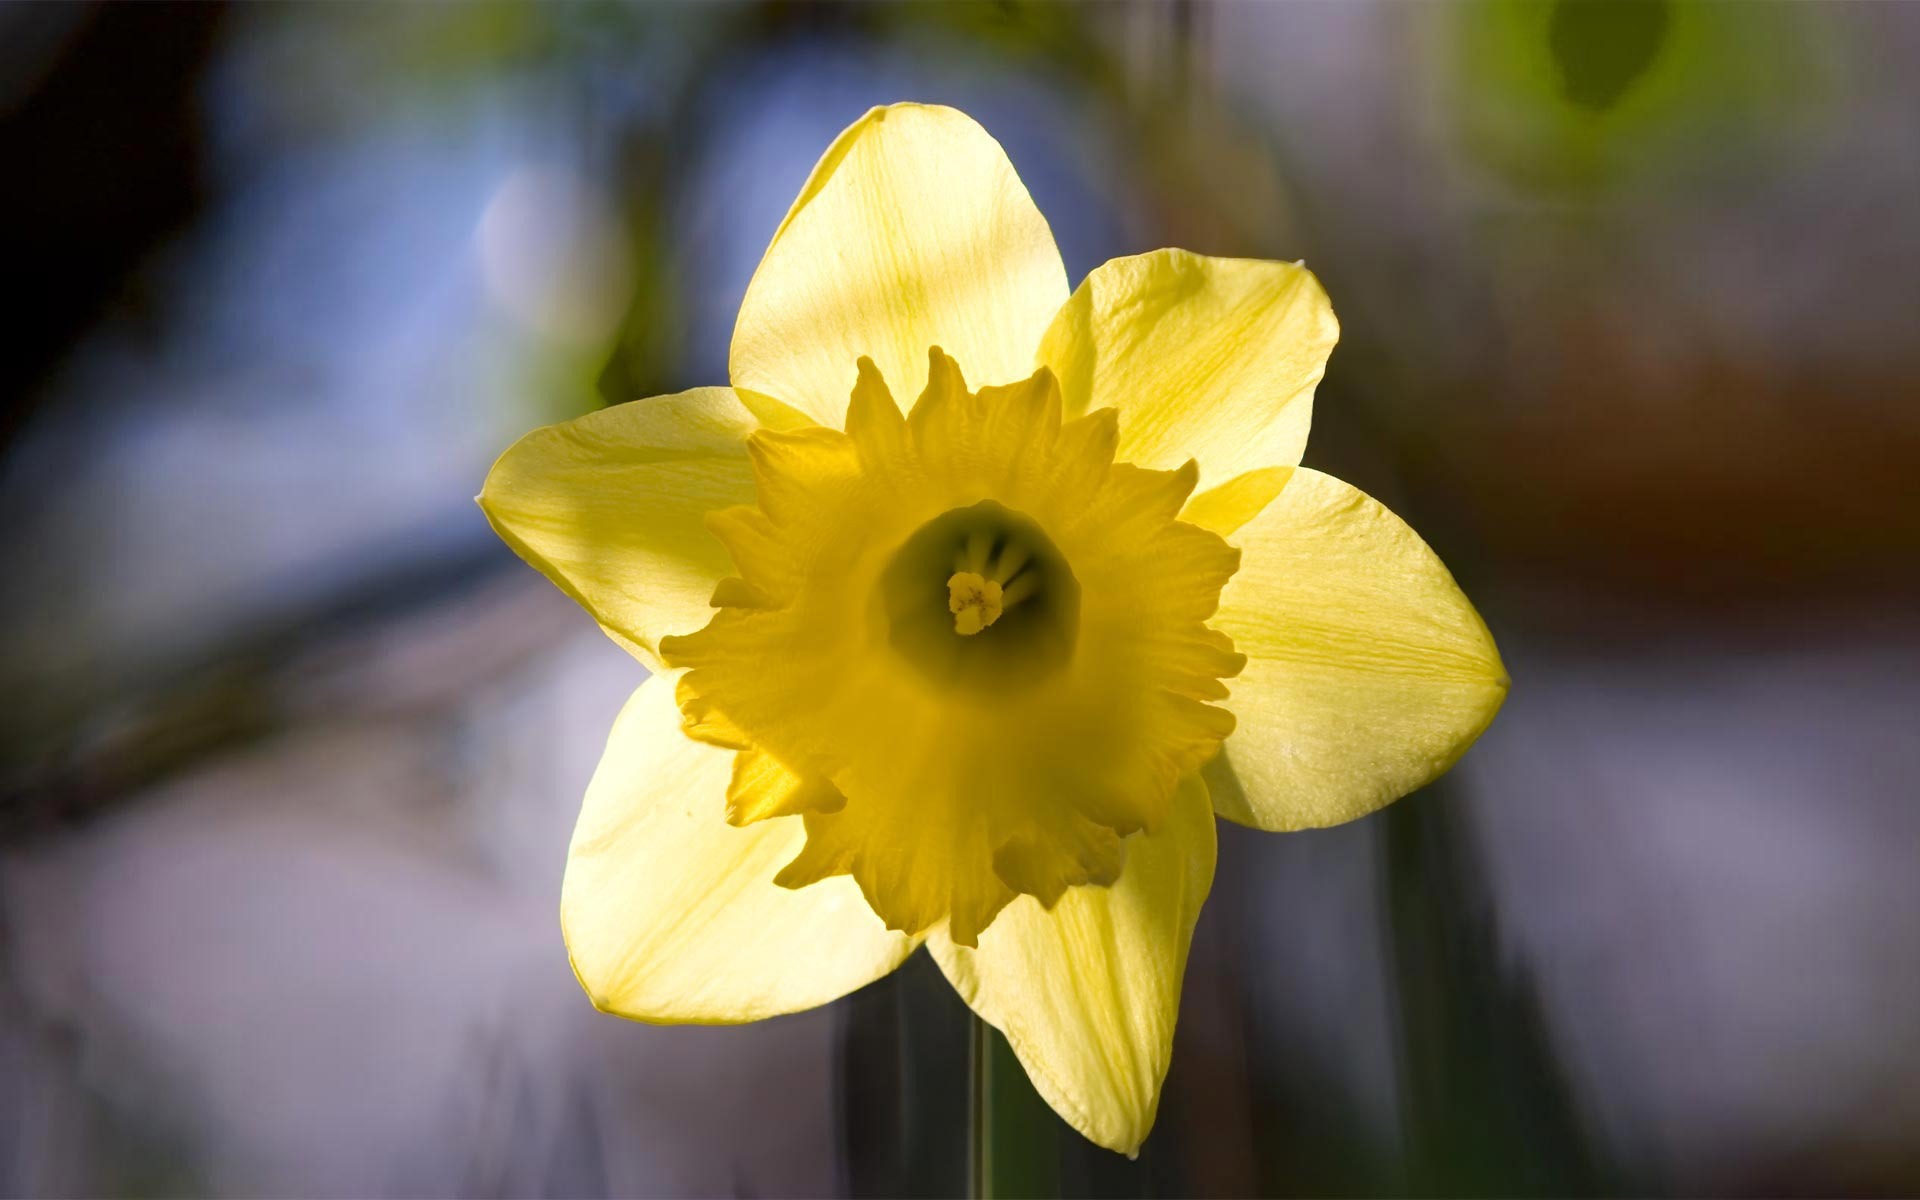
(913, 232)
(1214, 359)
(1088, 992)
(1368, 672)
(609, 507)
(672, 916)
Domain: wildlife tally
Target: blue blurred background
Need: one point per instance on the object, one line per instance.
(290, 745)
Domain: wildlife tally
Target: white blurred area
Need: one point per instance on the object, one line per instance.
(330, 964)
(554, 256)
(1704, 856)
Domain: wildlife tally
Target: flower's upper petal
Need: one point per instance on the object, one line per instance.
(609, 507)
(912, 232)
(1368, 672)
(1088, 992)
(1212, 359)
(671, 914)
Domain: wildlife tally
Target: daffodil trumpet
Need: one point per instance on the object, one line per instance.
(970, 604)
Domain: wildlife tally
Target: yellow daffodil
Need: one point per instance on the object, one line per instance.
(950, 673)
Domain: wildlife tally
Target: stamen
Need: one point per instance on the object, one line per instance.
(975, 602)
(1018, 589)
(973, 558)
(1013, 556)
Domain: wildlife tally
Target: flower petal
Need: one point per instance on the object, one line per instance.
(913, 232)
(1214, 359)
(671, 914)
(609, 507)
(1226, 508)
(1368, 672)
(1088, 993)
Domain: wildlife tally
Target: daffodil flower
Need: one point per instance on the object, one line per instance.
(979, 671)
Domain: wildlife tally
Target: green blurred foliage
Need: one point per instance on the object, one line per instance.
(1588, 93)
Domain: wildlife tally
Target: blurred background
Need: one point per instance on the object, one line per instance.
(291, 746)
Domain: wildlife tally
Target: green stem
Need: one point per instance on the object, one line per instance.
(980, 1110)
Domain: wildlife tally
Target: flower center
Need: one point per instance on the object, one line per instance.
(967, 699)
(980, 599)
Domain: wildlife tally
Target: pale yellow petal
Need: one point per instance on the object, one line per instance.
(1088, 993)
(1368, 672)
(610, 507)
(763, 788)
(671, 915)
(1226, 508)
(913, 232)
(1213, 359)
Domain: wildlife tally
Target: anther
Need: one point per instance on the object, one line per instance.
(974, 601)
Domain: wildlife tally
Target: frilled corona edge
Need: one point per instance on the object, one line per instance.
(948, 772)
